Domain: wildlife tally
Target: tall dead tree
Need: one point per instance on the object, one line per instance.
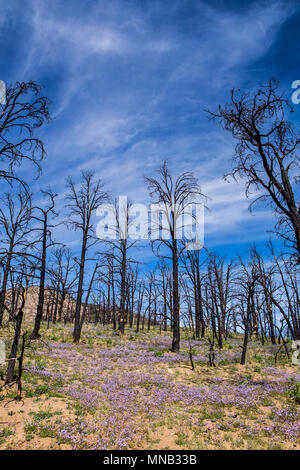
(280, 283)
(172, 196)
(150, 295)
(266, 153)
(164, 284)
(64, 274)
(23, 110)
(119, 244)
(83, 200)
(192, 264)
(221, 279)
(141, 290)
(46, 242)
(132, 281)
(17, 318)
(14, 227)
(86, 302)
(246, 282)
(109, 278)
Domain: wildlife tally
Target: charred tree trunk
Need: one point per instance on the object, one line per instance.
(77, 328)
(15, 344)
(176, 306)
(40, 306)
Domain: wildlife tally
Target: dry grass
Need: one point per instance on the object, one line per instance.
(131, 393)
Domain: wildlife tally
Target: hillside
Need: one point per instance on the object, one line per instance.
(112, 392)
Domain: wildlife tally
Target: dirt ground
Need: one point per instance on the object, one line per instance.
(112, 392)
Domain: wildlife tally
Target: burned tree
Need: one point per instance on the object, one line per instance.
(141, 290)
(246, 282)
(165, 283)
(82, 203)
(119, 243)
(220, 278)
(280, 284)
(266, 153)
(45, 241)
(172, 198)
(23, 111)
(17, 318)
(64, 275)
(192, 264)
(14, 227)
(86, 302)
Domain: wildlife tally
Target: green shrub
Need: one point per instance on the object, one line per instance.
(37, 391)
(246, 379)
(258, 358)
(294, 392)
(40, 363)
(159, 354)
(40, 415)
(45, 432)
(5, 432)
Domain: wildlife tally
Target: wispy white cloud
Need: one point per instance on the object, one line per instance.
(129, 86)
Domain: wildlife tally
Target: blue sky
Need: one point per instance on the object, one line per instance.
(129, 81)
